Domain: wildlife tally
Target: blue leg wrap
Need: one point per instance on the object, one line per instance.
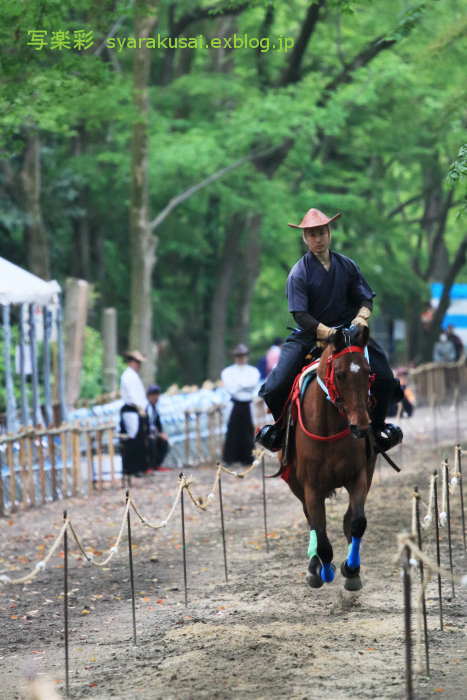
(327, 573)
(353, 555)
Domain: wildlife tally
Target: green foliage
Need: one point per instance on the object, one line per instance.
(365, 150)
(91, 372)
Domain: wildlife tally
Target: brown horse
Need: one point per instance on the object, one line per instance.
(333, 449)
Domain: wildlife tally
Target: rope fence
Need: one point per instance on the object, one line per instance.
(418, 567)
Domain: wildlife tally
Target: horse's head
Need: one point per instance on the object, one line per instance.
(347, 376)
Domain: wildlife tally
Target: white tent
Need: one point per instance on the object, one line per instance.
(17, 286)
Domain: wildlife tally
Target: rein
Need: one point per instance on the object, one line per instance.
(333, 395)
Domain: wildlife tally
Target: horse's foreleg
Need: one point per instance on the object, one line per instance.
(320, 568)
(354, 529)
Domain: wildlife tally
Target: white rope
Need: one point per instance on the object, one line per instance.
(456, 475)
(443, 516)
(40, 566)
(89, 556)
(419, 663)
(241, 475)
(415, 496)
(162, 523)
(404, 539)
(427, 520)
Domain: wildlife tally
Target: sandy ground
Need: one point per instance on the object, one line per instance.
(265, 633)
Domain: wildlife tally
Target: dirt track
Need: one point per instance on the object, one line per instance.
(263, 634)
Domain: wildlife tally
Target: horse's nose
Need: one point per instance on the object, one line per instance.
(358, 432)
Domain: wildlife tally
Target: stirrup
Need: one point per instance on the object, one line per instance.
(387, 436)
(270, 437)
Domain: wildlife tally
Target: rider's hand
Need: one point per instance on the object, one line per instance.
(324, 332)
(361, 319)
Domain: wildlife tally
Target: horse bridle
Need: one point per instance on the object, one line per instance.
(329, 378)
(330, 389)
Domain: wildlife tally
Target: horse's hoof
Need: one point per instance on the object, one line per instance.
(314, 581)
(327, 573)
(352, 582)
(313, 577)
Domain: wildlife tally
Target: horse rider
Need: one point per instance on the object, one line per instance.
(326, 289)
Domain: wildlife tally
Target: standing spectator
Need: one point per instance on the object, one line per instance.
(273, 354)
(133, 420)
(444, 350)
(241, 380)
(456, 341)
(158, 441)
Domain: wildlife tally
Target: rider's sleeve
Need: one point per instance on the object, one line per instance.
(297, 296)
(361, 292)
(305, 320)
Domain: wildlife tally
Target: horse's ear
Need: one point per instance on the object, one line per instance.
(338, 340)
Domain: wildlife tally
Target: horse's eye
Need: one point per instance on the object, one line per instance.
(340, 375)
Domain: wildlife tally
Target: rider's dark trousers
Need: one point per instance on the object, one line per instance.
(276, 388)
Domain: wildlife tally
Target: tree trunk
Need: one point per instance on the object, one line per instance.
(36, 236)
(220, 300)
(450, 277)
(434, 219)
(81, 253)
(250, 268)
(76, 309)
(142, 241)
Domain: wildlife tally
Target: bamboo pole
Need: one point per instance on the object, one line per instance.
(64, 456)
(40, 453)
(53, 466)
(99, 457)
(111, 455)
(23, 474)
(76, 461)
(10, 460)
(187, 438)
(89, 463)
(2, 502)
(30, 462)
(198, 437)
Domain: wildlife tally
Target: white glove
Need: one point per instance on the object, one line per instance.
(361, 319)
(324, 332)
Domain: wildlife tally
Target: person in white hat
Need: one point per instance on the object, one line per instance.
(133, 419)
(241, 380)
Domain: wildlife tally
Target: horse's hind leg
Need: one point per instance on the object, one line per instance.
(320, 568)
(354, 529)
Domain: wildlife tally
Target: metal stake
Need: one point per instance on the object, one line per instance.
(456, 406)
(448, 509)
(407, 622)
(65, 605)
(438, 556)
(182, 506)
(461, 492)
(264, 504)
(223, 528)
(422, 580)
(132, 579)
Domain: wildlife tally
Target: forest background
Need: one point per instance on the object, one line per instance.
(166, 177)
